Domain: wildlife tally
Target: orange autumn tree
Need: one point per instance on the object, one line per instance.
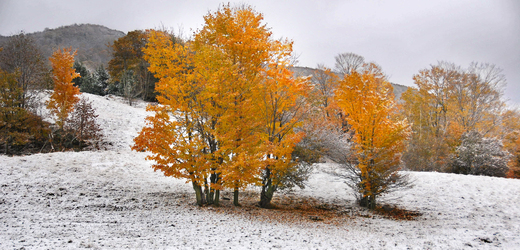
(175, 134)
(62, 101)
(243, 42)
(367, 100)
(208, 128)
(259, 102)
(283, 108)
(194, 133)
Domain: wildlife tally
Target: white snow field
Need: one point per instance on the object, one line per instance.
(112, 199)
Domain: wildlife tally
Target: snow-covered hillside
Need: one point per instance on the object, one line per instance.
(112, 199)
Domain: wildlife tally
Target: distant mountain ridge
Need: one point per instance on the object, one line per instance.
(92, 43)
(90, 40)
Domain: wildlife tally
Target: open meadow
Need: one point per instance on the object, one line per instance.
(112, 199)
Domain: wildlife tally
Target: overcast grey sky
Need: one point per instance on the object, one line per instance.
(403, 36)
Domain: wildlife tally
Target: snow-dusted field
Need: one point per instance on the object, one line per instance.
(112, 200)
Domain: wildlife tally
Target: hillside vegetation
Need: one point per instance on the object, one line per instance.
(247, 149)
(91, 41)
(113, 199)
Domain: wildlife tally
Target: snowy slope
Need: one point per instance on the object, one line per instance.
(113, 200)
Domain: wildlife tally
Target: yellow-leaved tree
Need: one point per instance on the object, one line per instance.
(175, 133)
(366, 98)
(283, 108)
(62, 101)
(256, 99)
(213, 92)
(240, 44)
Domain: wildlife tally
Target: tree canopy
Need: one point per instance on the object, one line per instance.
(62, 100)
(380, 135)
(228, 105)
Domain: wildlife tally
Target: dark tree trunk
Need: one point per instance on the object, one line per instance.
(215, 193)
(268, 190)
(235, 197)
(368, 202)
(198, 193)
(208, 193)
(266, 196)
(216, 201)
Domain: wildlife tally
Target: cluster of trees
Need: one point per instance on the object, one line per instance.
(228, 109)
(460, 121)
(232, 114)
(23, 75)
(127, 74)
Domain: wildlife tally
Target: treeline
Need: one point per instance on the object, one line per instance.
(232, 115)
(232, 112)
(461, 123)
(24, 76)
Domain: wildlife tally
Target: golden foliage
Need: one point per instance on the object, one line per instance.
(448, 102)
(511, 140)
(367, 100)
(62, 101)
(223, 102)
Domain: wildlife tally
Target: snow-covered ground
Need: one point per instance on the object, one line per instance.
(112, 199)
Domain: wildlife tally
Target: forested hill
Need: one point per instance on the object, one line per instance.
(305, 71)
(90, 40)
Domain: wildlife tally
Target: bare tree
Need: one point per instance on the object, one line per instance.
(346, 63)
(21, 55)
(82, 123)
(328, 140)
(485, 83)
